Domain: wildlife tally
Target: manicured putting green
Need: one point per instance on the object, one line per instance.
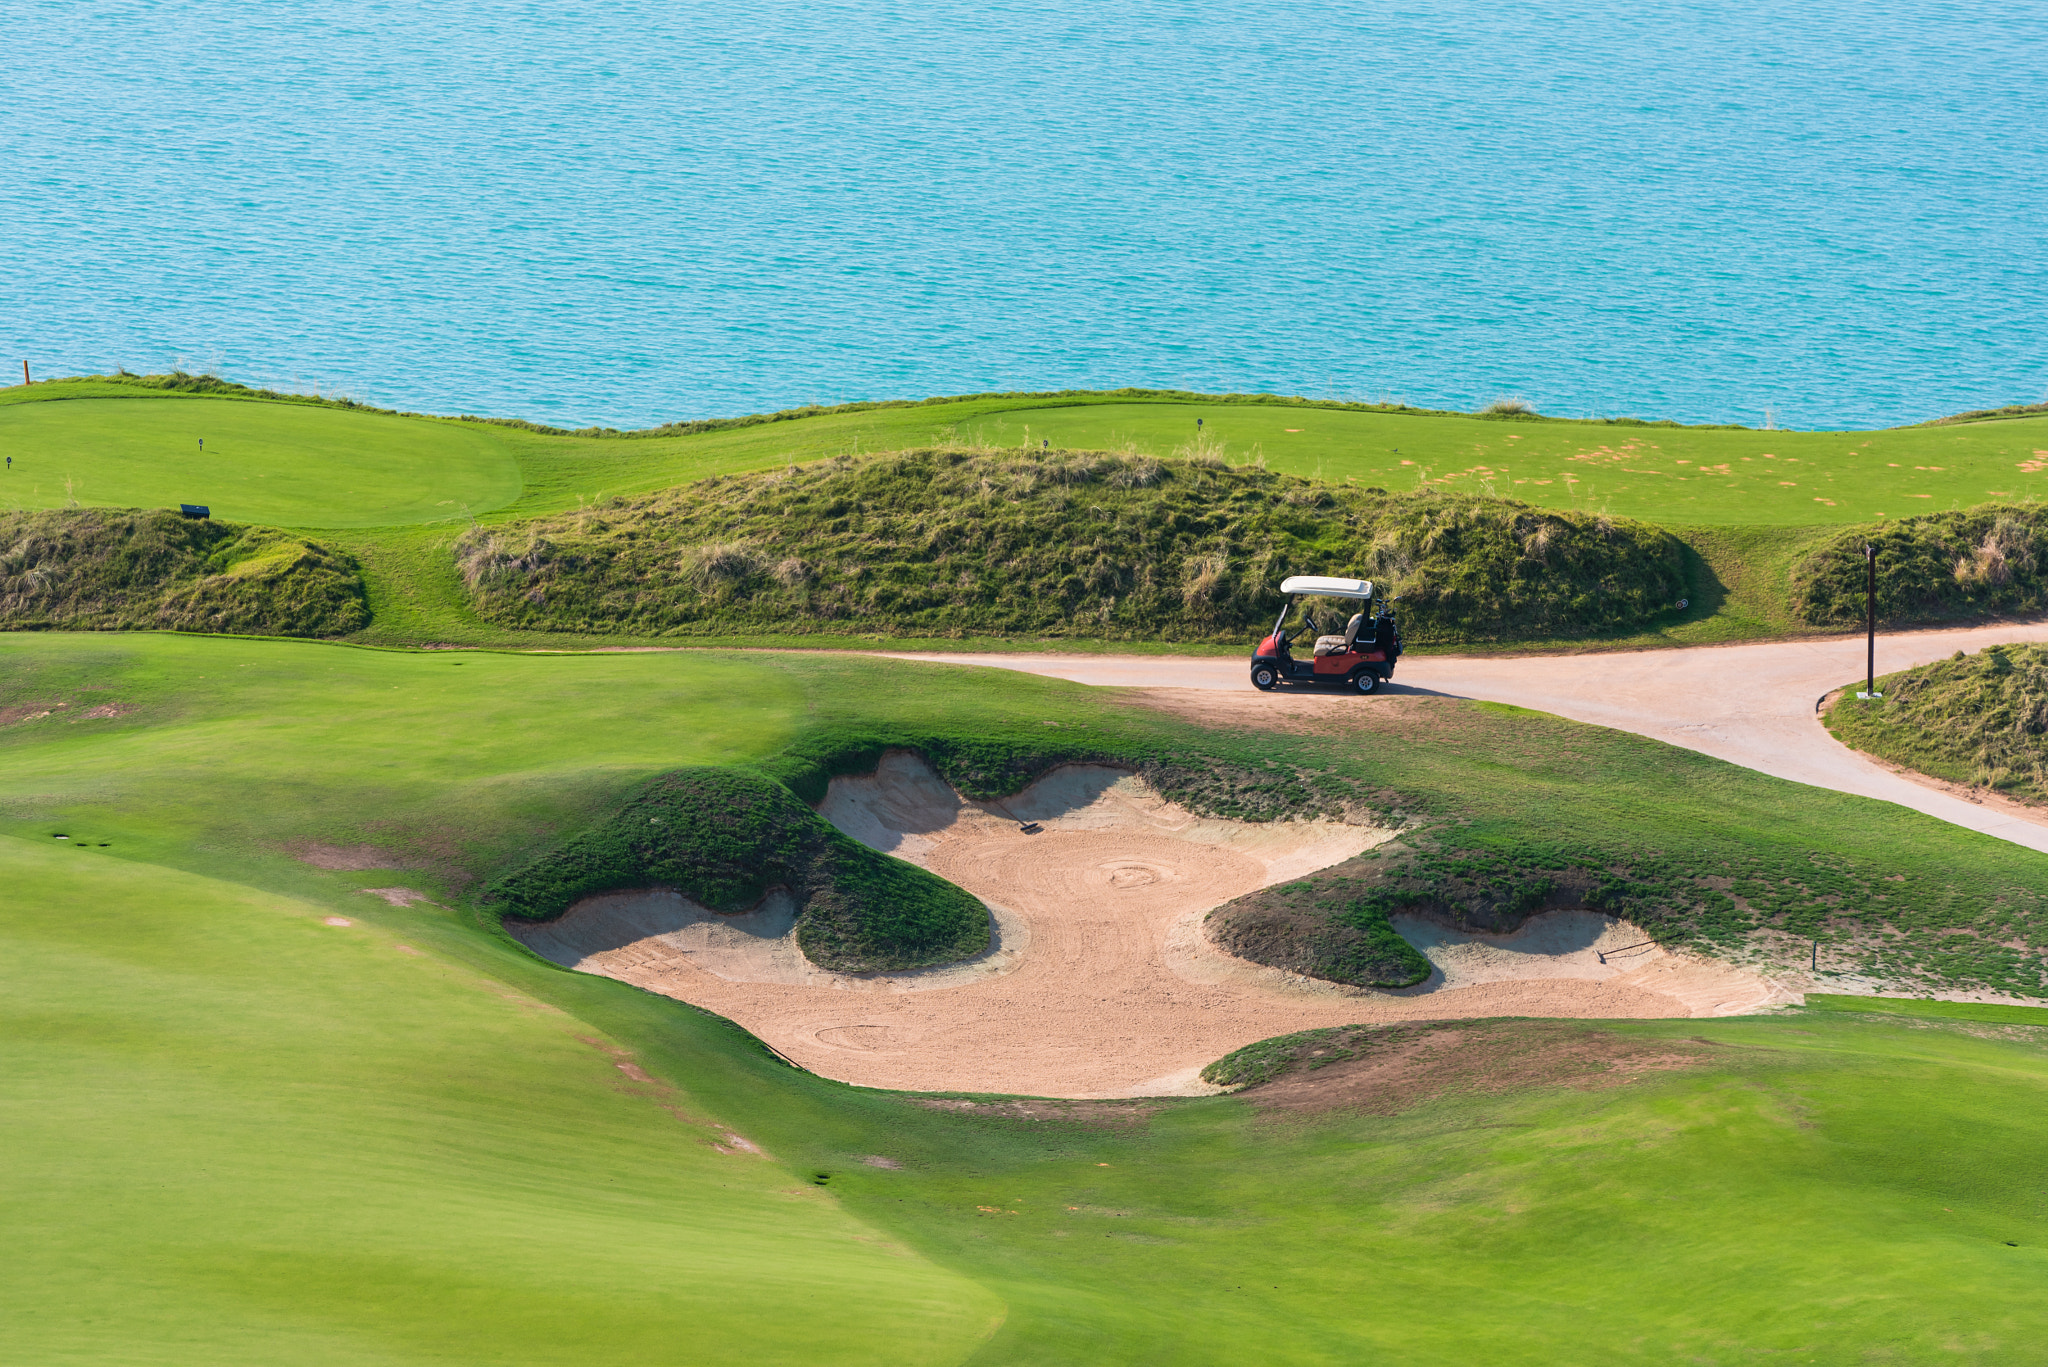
(1686, 477)
(280, 464)
(297, 465)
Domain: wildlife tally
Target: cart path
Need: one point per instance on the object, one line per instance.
(1751, 705)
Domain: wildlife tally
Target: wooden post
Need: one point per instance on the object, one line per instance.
(1870, 618)
(24, 371)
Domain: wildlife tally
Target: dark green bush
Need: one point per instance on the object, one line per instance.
(1987, 560)
(955, 543)
(725, 837)
(135, 569)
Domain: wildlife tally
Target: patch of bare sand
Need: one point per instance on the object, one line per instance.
(400, 897)
(341, 858)
(1302, 713)
(1108, 988)
(1476, 1058)
(1585, 946)
(643, 936)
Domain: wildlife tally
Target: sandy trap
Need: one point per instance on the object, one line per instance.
(1101, 982)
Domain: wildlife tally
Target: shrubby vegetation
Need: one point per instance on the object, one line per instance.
(950, 542)
(134, 569)
(1986, 560)
(724, 838)
(1333, 927)
(1979, 719)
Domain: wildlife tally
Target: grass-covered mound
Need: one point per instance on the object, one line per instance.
(951, 542)
(1979, 719)
(724, 837)
(1980, 562)
(1333, 926)
(141, 569)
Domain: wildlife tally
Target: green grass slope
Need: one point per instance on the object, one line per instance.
(286, 465)
(937, 543)
(1659, 472)
(725, 837)
(396, 491)
(1976, 719)
(138, 569)
(1680, 476)
(237, 1133)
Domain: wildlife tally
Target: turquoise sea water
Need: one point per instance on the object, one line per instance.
(635, 212)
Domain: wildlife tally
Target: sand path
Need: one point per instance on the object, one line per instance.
(1102, 984)
(1751, 705)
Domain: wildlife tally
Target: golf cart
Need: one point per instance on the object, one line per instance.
(1358, 655)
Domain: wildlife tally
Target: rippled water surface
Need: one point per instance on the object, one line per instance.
(636, 212)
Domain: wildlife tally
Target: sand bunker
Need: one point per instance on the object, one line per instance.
(1100, 982)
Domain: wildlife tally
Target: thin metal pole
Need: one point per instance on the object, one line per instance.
(1870, 619)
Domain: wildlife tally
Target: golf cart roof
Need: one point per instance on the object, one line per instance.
(1327, 588)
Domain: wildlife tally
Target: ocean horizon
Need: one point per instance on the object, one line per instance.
(1827, 215)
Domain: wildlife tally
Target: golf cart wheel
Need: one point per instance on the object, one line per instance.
(1263, 678)
(1365, 681)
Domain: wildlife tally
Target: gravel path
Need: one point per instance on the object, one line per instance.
(1752, 705)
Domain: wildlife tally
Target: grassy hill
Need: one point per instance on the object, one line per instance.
(938, 543)
(1976, 719)
(237, 1132)
(396, 491)
(724, 838)
(152, 570)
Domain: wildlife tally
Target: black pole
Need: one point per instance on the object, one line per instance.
(1870, 619)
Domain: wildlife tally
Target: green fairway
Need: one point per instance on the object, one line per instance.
(285, 465)
(1676, 476)
(2000, 1012)
(237, 1133)
(289, 463)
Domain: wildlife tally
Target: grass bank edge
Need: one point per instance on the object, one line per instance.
(1977, 720)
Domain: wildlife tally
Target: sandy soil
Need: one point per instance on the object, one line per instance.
(1477, 1059)
(1101, 984)
(341, 858)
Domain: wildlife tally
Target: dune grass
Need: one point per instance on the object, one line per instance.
(930, 543)
(1979, 719)
(101, 570)
(239, 1134)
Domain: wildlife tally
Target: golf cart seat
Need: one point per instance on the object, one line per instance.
(1339, 645)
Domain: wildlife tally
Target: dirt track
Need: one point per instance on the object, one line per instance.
(1751, 705)
(1102, 985)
